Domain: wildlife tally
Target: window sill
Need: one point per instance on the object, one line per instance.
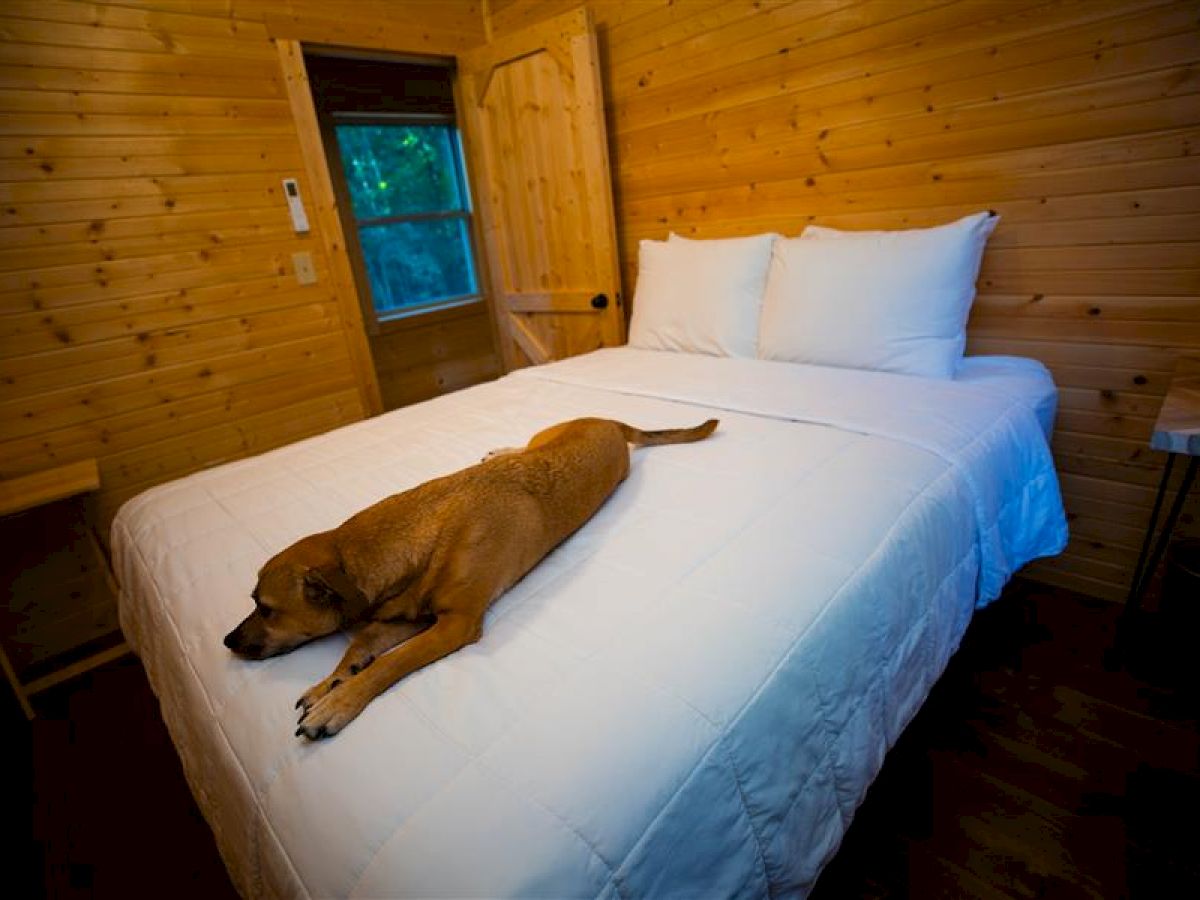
(432, 315)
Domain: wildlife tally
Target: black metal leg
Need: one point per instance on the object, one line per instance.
(1142, 577)
(1134, 599)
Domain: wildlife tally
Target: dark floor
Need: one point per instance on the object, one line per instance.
(112, 816)
(1032, 771)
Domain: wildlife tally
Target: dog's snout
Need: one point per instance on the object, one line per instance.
(243, 642)
(237, 639)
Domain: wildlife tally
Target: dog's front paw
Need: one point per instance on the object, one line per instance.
(316, 692)
(333, 681)
(329, 714)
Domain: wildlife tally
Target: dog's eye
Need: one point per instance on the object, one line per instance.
(265, 611)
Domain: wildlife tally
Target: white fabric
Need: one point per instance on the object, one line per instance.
(896, 301)
(700, 296)
(1017, 377)
(689, 697)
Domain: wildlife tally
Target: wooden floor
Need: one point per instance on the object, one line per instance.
(1031, 772)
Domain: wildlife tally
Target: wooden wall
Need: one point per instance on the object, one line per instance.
(149, 315)
(1076, 120)
(435, 353)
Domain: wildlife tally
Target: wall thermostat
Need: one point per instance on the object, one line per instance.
(291, 190)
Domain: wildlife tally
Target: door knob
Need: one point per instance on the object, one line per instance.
(600, 301)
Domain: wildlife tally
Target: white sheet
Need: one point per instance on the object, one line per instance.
(692, 694)
(1026, 381)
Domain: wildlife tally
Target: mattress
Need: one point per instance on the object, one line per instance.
(689, 697)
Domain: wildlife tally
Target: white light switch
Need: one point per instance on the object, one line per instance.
(303, 265)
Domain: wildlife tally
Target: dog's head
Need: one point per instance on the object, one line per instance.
(300, 595)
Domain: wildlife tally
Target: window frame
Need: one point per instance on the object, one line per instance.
(376, 320)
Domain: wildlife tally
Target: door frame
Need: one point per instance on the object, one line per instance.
(329, 221)
(328, 201)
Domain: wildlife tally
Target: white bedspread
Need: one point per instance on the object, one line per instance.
(688, 698)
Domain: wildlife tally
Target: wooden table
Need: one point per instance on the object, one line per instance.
(27, 492)
(1177, 431)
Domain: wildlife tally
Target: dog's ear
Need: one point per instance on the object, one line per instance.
(326, 585)
(317, 589)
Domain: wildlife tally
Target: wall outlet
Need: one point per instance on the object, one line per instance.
(303, 265)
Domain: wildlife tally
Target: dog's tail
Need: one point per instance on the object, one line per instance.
(641, 438)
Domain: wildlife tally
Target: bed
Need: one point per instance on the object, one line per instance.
(689, 697)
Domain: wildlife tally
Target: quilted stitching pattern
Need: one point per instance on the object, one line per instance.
(694, 691)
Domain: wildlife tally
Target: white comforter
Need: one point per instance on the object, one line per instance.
(688, 698)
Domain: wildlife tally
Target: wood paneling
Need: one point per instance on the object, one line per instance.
(1076, 121)
(149, 316)
(323, 202)
(434, 27)
(145, 250)
(433, 353)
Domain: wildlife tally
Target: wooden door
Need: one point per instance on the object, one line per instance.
(533, 117)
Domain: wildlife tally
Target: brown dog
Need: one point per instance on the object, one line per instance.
(418, 570)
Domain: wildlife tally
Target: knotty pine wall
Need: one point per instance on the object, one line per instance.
(149, 315)
(1076, 120)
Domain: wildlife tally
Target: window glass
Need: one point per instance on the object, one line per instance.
(411, 208)
(394, 170)
(417, 262)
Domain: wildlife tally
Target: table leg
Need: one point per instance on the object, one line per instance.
(1145, 568)
(1133, 596)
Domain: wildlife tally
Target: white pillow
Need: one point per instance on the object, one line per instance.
(700, 296)
(896, 301)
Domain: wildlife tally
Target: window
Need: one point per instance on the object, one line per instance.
(411, 209)
(389, 128)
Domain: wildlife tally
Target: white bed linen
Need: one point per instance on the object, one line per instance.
(687, 698)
